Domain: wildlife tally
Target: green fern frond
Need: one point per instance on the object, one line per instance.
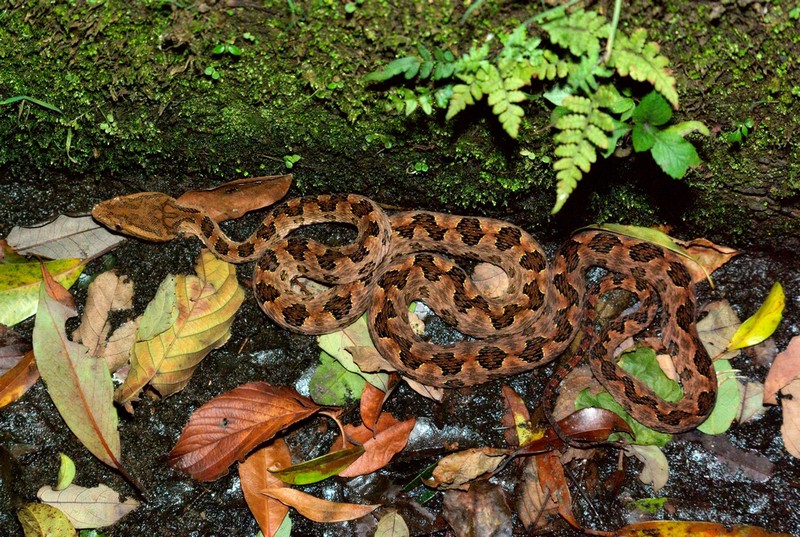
(641, 60)
(459, 100)
(579, 32)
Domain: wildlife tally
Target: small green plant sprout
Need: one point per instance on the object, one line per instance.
(419, 167)
(386, 139)
(212, 72)
(578, 68)
(226, 48)
(351, 7)
(290, 160)
(740, 132)
(250, 37)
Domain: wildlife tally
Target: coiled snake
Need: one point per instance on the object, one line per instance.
(398, 259)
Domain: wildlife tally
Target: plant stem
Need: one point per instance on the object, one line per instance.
(613, 30)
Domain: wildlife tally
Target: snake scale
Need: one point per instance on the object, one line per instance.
(407, 256)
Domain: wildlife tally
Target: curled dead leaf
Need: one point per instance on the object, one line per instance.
(255, 476)
(457, 470)
(317, 509)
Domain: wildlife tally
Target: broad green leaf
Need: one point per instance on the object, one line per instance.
(644, 435)
(673, 154)
(763, 323)
(643, 138)
(39, 520)
(729, 399)
(79, 385)
(652, 110)
(642, 364)
(355, 335)
(332, 384)
(315, 470)
(160, 313)
(66, 473)
(19, 286)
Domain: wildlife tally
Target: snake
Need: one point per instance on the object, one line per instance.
(413, 256)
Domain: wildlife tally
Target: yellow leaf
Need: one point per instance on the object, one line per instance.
(763, 323)
(40, 519)
(19, 286)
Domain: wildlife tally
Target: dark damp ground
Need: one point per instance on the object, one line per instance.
(702, 485)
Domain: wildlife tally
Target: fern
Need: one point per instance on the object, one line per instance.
(591, 114)
(642, 61)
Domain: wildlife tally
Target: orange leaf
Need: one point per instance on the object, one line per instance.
(554, 482)
(371, 402)
(230, 425)
(389, 440)
(317, 509)
(516, 419)
(679, 528)
(235, 198)
(16, 381)
(784, 370)
(255, 476)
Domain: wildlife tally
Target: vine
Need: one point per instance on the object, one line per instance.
(593, 105)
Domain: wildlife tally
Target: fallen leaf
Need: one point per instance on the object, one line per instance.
(516, 420)
(206, 306)
(79, 385)
(370, 405)
(763, 322)
(355, 335)
(319, 468)
(680, 528)
(236, 198)
(254, 475)
(491, 280)
(19, 286)
(95, 507)
(785, 368)
(317, 509)
(42, 520)
(431, 392)
(66, 473)
(118, 347)
(230, 425)
(534, 506)
(790, 429)
(740, 461)
(482, 510)
(457, 470)
(728, 400)
(13, 348)
(62, 238)
(554, 484)
(593, 425)
(717, 328)
(752, 395)
(332, 384)
(388, 439)
(15, 382)
(368, 359)
(655, 471)
(107, 292)
(708, 257)
(391, 525)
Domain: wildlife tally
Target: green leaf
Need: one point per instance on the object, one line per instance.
(687, 127)
(320, 468)
(673, 154)
(409, 66)
(580, 32)
(763, 323)
(332, 384)
(652, 110)
(41, 103)
(219, 49)
(642, 364)
(644, 435)
(633, 56)
(66, 473)
(729, 399)
(643, 139)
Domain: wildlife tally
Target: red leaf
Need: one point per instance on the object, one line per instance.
(255, 476)
(230, 425)
(371, 402)
(390, 438)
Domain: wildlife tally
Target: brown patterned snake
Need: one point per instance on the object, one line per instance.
(397, 260)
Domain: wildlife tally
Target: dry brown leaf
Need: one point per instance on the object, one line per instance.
(535, 507)
(554, 484)
(785, 368)
(95, 507)
(117, 351)
(656, 468)
(717, 328)
(13, 348)
(368, 359)
(235, 198)
(516, 420)
(255, 475)
(317, 509)
(230, 425)
(370, 405)
(708, 255)
(62, 238)
(431, 392)
(752, 396)
(391, 525)
(388, 439)
(790, 430)
(577, 380)
(483, 510)
(457, 470)
(107, 292)
(491, 280)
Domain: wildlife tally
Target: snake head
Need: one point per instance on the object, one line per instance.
(147, 215)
